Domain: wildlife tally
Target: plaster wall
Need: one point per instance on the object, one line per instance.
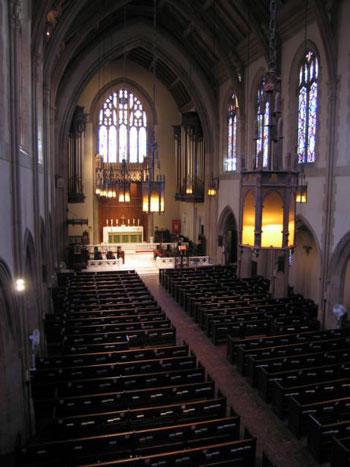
(343, 115)
(229, 196)
(342, 214)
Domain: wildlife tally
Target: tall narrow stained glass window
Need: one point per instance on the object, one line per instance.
(262, 125)
(122, 128)
(230, 163)
(307, 108)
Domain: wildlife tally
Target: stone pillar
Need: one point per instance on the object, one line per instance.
(329, 201)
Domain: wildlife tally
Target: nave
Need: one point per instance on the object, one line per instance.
(115, 389)
(132, 379)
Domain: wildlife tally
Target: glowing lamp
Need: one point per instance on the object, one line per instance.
(20, 285)
(124, 197)
(268, 209)
(153, 196)
(213, 186)
(301, 194)
(189, 190)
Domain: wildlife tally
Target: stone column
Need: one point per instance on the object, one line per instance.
(329, 201)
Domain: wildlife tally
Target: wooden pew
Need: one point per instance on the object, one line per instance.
(130, 419)
(320, 431)
(340, 454)
(319, 398)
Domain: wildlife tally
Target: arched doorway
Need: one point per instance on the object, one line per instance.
(32, 302)
(305, 269)
(339, 283)
(13, 417)
(228, 236)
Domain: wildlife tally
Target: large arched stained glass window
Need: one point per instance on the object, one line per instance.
(122, 128)
(230, 163)
(307, 108)
(262, 125)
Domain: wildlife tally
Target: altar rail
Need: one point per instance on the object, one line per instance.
(128, 247)
(191, 261)
(105, 262)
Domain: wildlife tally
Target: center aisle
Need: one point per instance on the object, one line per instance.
(274, 437)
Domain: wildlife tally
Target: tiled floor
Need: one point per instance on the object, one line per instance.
(273, 436)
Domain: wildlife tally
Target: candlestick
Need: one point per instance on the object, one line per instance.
(117, 222)
(107, 222)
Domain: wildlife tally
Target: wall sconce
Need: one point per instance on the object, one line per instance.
(20, 285)
(213, 186)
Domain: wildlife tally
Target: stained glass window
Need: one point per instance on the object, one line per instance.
(307, 108)
(262, 125)
(122, 128)
(230, 163)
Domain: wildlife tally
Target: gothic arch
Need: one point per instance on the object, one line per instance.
(252, 89)
(72, 85)
(131, 85)
(305, 270)
(292, 96)
(224, 125)
(11, 374)
(139, 91)
(337, 270)
(228, 235)
(33, 319)
(7, 320)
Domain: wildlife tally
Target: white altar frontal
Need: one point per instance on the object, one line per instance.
(123, 234)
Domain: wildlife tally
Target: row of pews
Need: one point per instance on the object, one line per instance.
(277, 345)
(115, 389)
(306, 378)
(223, 305)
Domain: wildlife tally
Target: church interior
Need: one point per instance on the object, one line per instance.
(175, 233)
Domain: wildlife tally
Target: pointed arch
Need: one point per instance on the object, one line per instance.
(297, 90)
(228, 235)
(337, 271)
(231, 132)
(306, 261)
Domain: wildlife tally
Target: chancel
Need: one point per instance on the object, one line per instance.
(175, 233)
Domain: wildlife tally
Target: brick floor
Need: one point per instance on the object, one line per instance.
(273, 435)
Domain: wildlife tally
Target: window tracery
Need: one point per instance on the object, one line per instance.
(122, 128)
(230, 163)
(307, 108)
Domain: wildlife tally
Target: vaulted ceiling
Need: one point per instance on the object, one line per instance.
(212, 34)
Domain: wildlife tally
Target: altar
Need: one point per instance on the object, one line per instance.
(123, 234)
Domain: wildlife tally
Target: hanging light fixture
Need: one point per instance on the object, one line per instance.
(124, 184)
(268, 194)
(153, 185)
(213, 186)
(301, 192)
